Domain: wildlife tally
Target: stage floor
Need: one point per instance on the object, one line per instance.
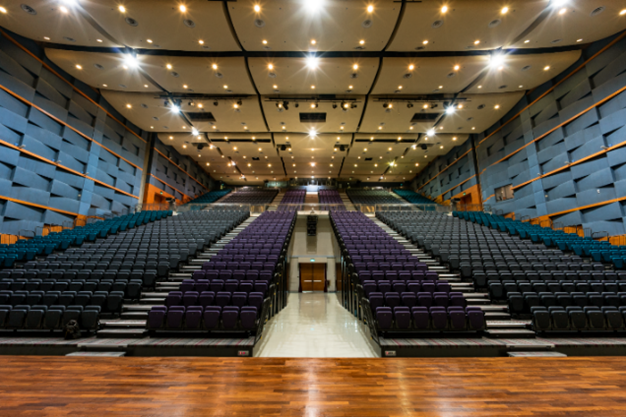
(40, 385)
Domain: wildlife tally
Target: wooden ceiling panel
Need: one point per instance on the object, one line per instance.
(425, 27)
(289, 25)
(289, 76)
(163, 22)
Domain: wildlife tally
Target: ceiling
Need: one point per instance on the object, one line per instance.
(337, 82)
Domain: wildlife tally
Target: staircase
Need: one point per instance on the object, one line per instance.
(346, 200)
(276, 201)
(132, 322)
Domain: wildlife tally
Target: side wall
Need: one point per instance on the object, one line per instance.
(561, 148)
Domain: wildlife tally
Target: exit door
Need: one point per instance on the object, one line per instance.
(312, 277)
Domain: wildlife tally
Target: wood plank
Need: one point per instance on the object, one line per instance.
(130, 386)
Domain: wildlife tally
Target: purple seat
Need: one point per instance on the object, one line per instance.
(432, 275)
(208, 265)
(255, 299)
(211, 317)
(391, 275)
(193, 317)
(226, 275)
(414, 286)
(398, 286)
(219, 266)
(428, 286)
(217, 285)
(212, 275)
(232, 266)
(457, 318)
(252, 275)
(421, 317)
(199, 274)
(190, 298)
(222, 298)
(230, 316)
(206, 298)
(396, 266)
(457, 299)
(392, 299)
(174, 298)
(408, 266)
(175, 316)
(384, 286)
(187, 285)
(239, 275)
(245, 266)
(409, 299)
(260, 286)
(402, 317)
(439, 317)
(475, 318)
(246, 286)
(257, 266)
(239, 299)
(404, 276)
(202, 285)
(266, 276)
(384, 317)
(156, 317)
(376, 300)
(231, 285)
(441, 299)
(443, 286)
(269, 266)
(424, 299)
(248, 317)
(417, 275)
(369, 287)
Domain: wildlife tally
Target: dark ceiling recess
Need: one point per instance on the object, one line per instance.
(312, 117)
(202, 116)
(424, 117)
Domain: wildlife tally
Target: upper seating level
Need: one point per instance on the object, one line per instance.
(412, 197)
(292, 200)
(210, 197)
(253, 197)
(331, 200)
(372, 197)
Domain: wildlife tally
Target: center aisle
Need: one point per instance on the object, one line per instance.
(314, 325)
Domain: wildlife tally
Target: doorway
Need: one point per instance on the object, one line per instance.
(312, 277)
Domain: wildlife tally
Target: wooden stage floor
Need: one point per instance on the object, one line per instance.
(79, 386)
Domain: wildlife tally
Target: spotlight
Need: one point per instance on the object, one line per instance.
(431, 132)
(409, 105)
(194, 131)
(312, 62)
(175, 109)
(496, 60)
(424, 147)
(345, 105)
(334, 105)
(353, 106)
(239, 103)
(279, 105)
(130, 60)
(342, 148)
(450, 109)
(286, 105)
(216, 103)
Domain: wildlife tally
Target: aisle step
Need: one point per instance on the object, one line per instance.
(507, 324)
(536, 354)
(134, 315)
(510, 333)
(123, 323)
(497, 315)
(100, 354)
(153, 301)
(122, 333)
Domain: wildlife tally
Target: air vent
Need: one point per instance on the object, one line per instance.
(189, 23)
(312, 117)
(98, 66)
(201, 116)
(131, 21)
(494, 23)
(367, 23)
(28, 9)
(424, 117)
(259, 23)
(597, 11)
(368, 159)
(255, 158)
(437, 24)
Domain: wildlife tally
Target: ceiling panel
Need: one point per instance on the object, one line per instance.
(338, 25)
(286, 76)
(576, 22)
(163, 22)
(464, 23)
(280, 120)
(214, 76)
(47, 22)
(149, 113)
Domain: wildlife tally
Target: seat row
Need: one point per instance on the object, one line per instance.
(202, 318)
(130, 288)
(482, 279)
(386, 286)
(41, 317)
(522, 303)
(219, 298)
(579, 319)
(433, 319)
(109, 302)
(230, 285)
(412, 299)
(499, 290)
(251, 275)
(398, 276)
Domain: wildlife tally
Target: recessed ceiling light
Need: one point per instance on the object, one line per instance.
(440, 87)
(182, 8)
(473, 128)
(563, 11)
(313, 41)
(350, 87)
(99, 40)
(270, 66)
(497, 106)
(355, 67)
(312, 87)
(46, 38)
(425, 42)
(444, 9)
(520, 86)
(129, 105)
(454, 138)
(504, 10)
(121, 8)
(64, 9)
(275, 87)
(441, 147)
(527, 41)
(460, 106)
(105, 85)
(184, 146)
(264, 42)
(79, 67)
(623, 12)
(201, 42)
(476, 42)
(145, 85)
(457, 67)
(312, 62)
(149, 40)
(169, 66)
(370, 8)
(185, 86)
(411, 67)
(3, 10)
(257, 8)
(480, 86)
(225, 87)
(546, 68)
(362, 42)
